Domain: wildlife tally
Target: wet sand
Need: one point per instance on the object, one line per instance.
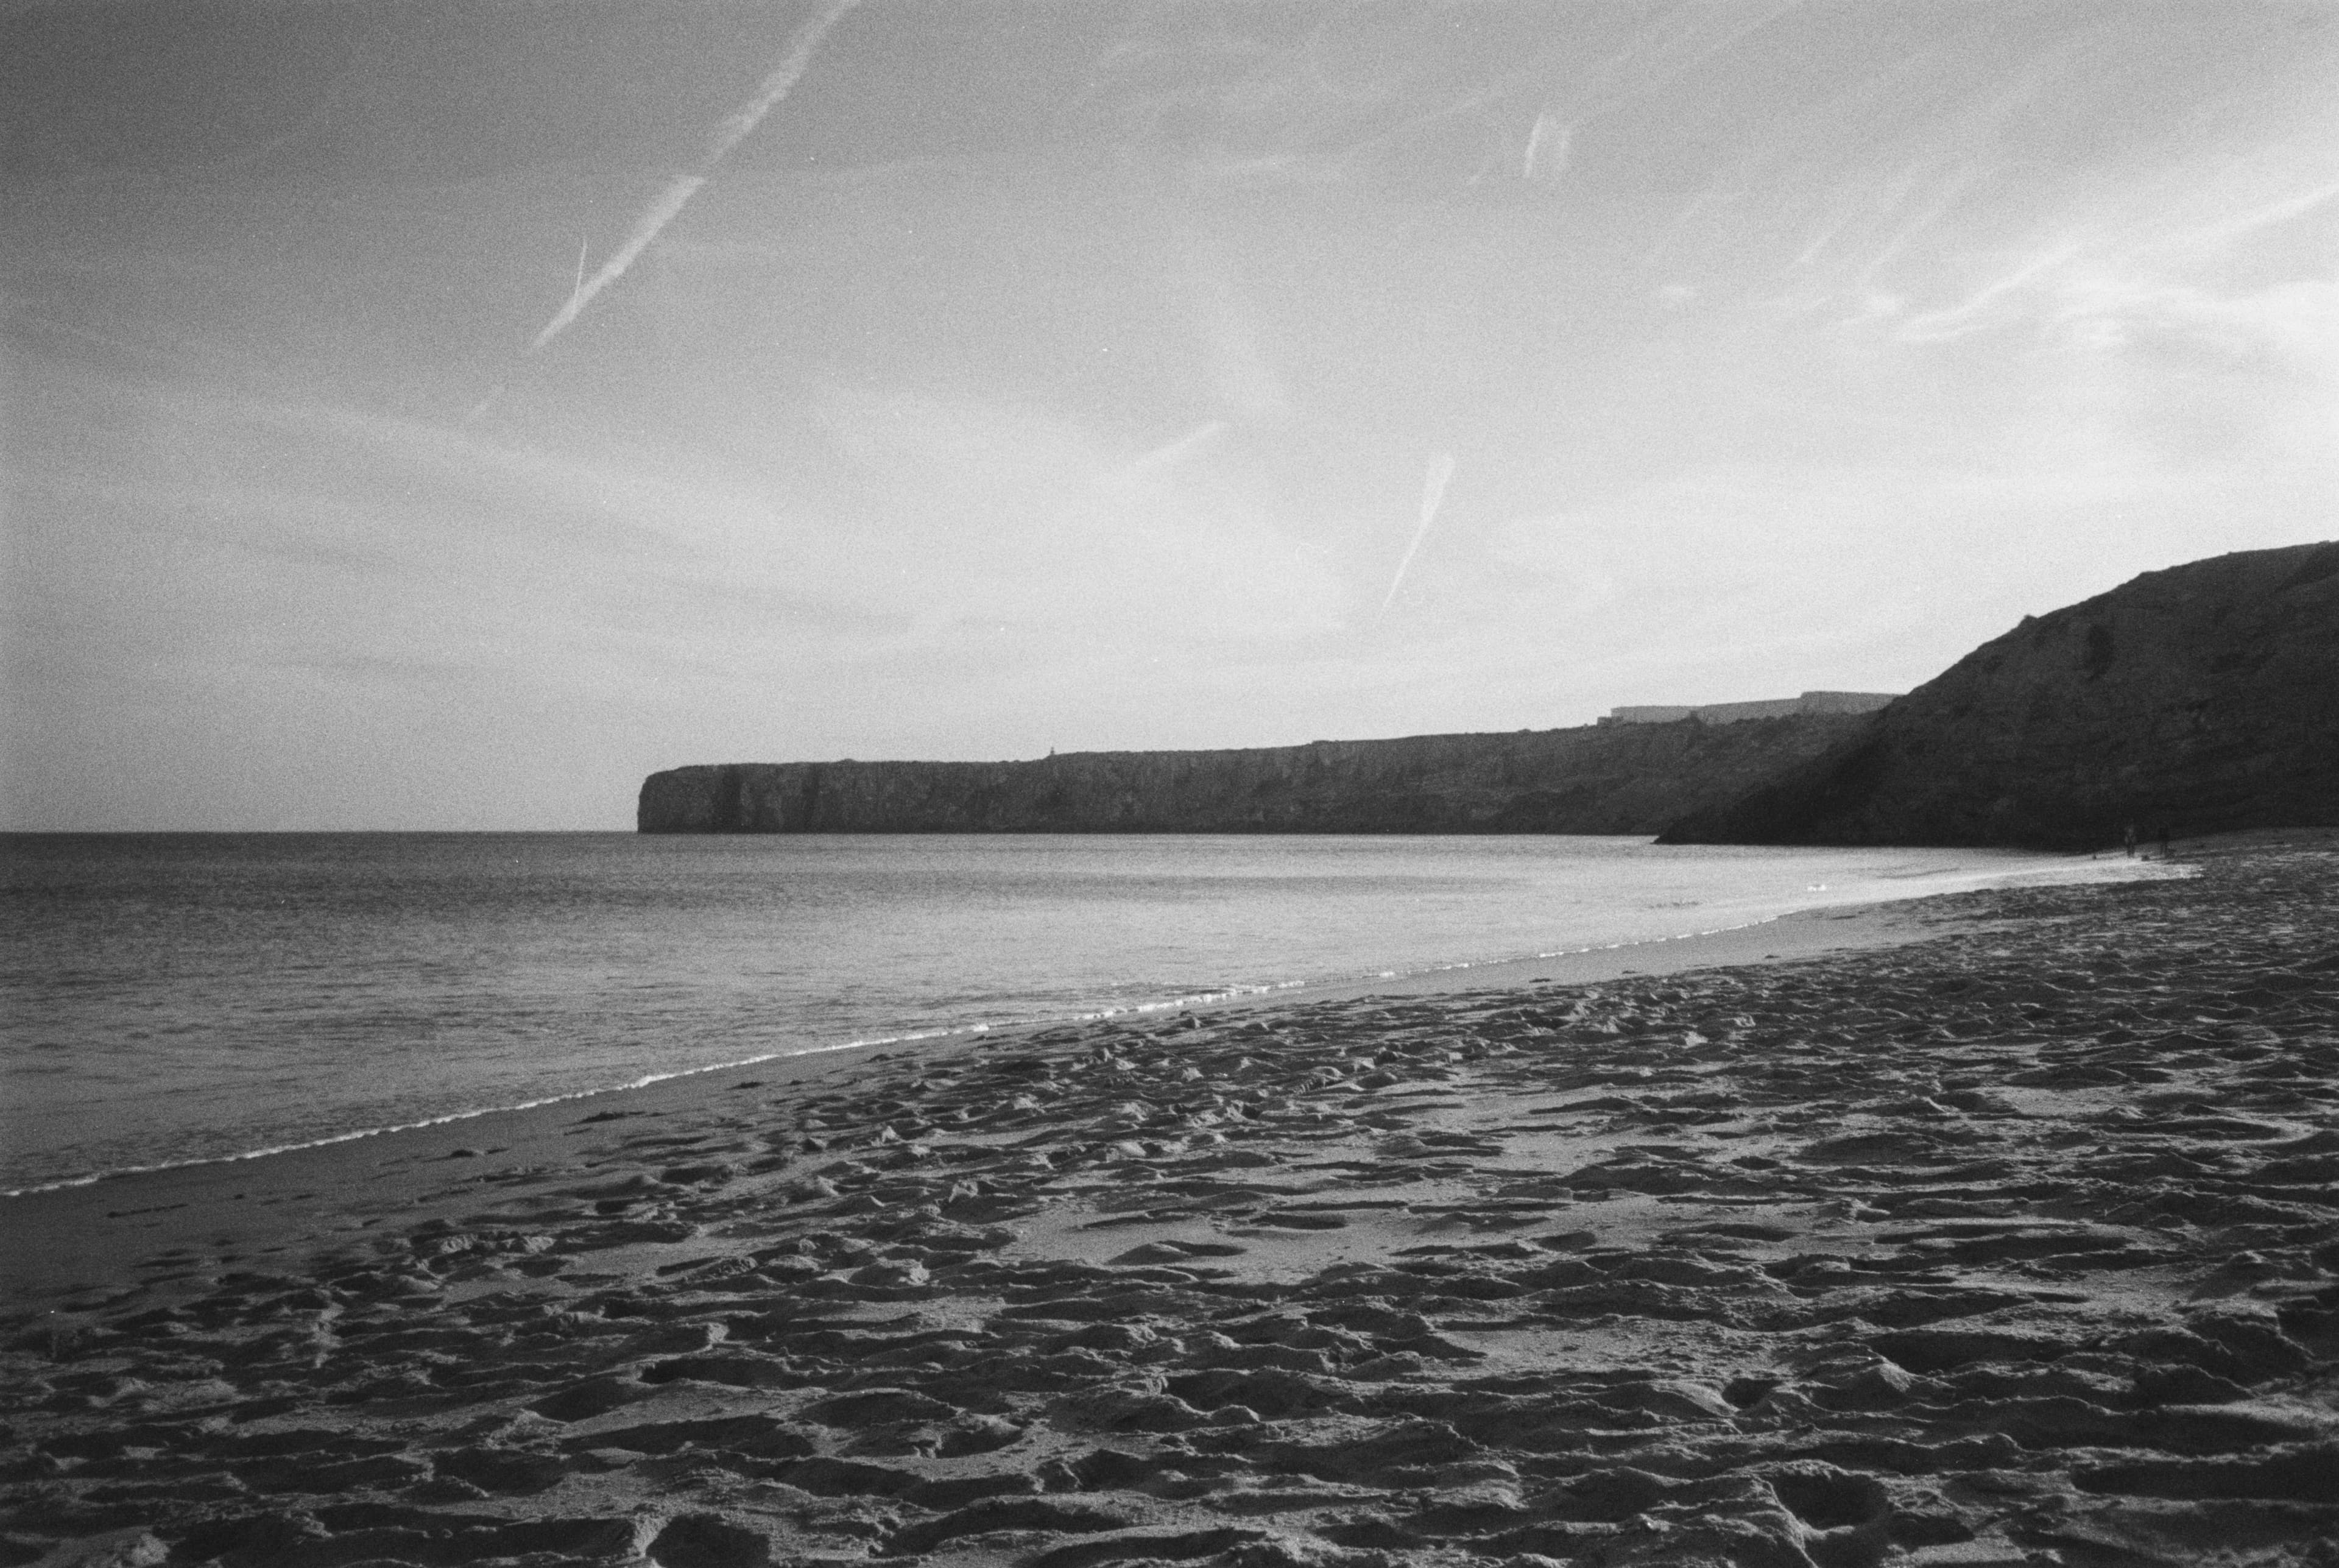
(83, 1245)
(2003, 1232)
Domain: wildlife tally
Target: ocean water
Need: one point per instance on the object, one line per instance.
(168, 998)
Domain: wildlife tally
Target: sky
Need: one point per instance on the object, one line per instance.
(441, 415)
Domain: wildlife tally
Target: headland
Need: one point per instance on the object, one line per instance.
(1628, 778)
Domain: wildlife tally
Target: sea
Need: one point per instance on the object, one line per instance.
(170, 999)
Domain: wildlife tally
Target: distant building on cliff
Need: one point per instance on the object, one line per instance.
(1772, 708)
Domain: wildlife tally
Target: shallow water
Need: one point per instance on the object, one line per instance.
(176, 997)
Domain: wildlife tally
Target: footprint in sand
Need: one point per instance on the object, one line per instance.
(1178, 1251)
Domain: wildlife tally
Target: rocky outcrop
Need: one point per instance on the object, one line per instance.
(2202, 698)
(1619, 779)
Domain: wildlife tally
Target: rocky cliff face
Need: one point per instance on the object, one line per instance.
(2205, 697)
(1620, 779)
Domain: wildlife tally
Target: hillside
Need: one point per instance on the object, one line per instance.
(2202, 698)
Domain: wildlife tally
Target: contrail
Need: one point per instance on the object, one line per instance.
(646, 229)
(1163, 456)
(735, 128)
(775, 86)
(1545, 125)
(1433, 494)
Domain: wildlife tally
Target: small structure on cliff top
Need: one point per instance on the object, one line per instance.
(1769, 708)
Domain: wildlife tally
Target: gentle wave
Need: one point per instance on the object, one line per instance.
(1168, 1004)
(976, 984)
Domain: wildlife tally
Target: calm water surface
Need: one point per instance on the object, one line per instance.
(170, 998)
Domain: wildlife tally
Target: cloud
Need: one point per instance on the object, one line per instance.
(1727, 552)
(1246, 384)
(1977, 312)
(1172, 451)
(1019, 513)
(332, 526)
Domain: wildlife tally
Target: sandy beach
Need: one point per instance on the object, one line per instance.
(1991, 1228)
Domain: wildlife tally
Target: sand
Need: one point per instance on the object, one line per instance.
(1994, 1228)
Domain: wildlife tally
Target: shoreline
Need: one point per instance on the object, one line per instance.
(1727, 944)
(1994, 1228)
(73, 1238)
(1590, 962)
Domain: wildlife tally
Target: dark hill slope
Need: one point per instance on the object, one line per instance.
(1606, 779)
(2205, 697)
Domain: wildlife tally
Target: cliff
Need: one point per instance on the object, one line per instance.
(1620, 779)
(2202, 698)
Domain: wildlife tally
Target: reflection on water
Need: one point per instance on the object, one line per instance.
(173, 997)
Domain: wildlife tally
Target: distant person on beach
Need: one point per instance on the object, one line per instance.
(2131, 840)
(2164, 840)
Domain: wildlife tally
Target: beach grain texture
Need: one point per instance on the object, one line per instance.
(2010, 1241)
